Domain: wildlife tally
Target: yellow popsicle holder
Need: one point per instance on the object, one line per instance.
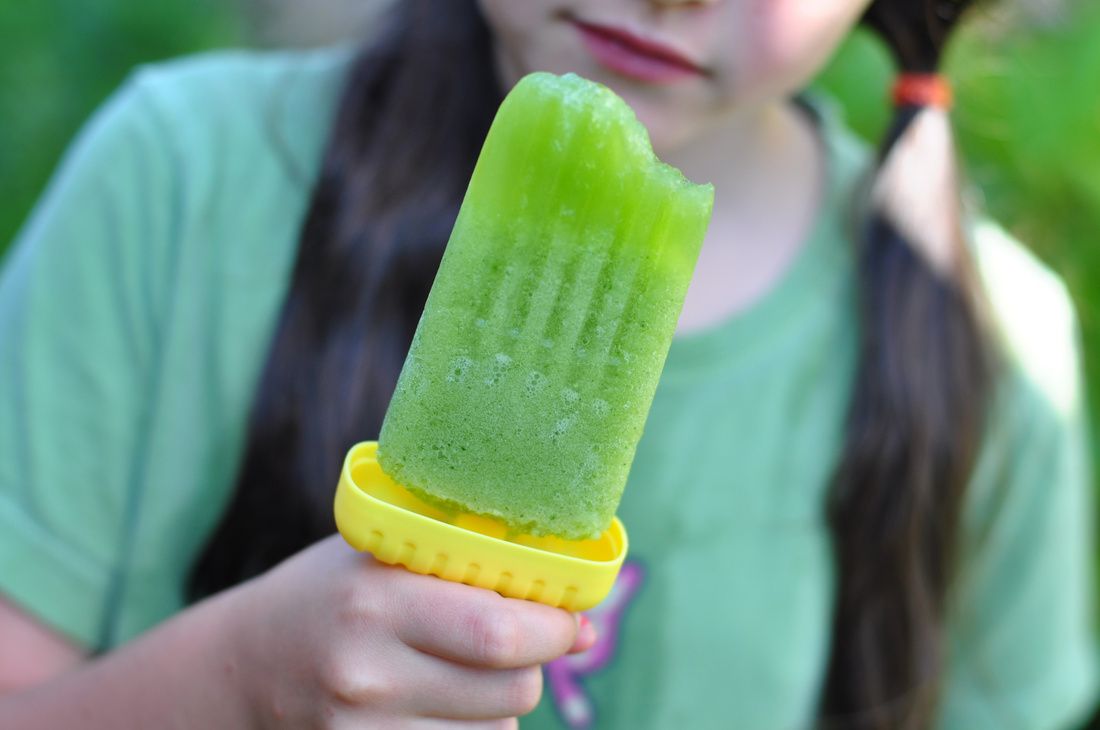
(379, 516)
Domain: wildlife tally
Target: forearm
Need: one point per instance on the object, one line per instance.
(183, 674)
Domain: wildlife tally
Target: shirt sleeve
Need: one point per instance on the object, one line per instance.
(1022, 650)
(79, 299)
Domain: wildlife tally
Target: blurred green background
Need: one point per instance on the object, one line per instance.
(1028, 114)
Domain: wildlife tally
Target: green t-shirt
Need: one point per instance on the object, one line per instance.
(135, 313)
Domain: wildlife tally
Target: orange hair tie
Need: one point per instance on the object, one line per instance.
(923, 90)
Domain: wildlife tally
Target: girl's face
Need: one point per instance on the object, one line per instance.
(683, 65)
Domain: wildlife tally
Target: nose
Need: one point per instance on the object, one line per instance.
(681, 3)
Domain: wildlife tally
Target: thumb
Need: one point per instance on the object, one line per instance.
(586, 635)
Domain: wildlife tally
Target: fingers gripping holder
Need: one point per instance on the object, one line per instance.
(379, 516)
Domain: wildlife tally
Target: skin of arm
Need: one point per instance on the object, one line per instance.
(186, 668)
(32, 653)
(328, 639)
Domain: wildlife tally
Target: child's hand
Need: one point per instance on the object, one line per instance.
(335, 639)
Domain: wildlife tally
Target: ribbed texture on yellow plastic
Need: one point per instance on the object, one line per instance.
(377, 515)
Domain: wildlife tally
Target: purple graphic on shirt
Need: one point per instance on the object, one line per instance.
(564, 674)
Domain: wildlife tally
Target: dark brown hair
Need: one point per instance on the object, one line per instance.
(417, 104)
(915, 421)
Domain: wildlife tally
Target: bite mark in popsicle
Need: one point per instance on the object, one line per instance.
(533, 368)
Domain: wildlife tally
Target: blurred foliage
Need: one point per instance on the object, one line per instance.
(1028, 119)
(61, 58)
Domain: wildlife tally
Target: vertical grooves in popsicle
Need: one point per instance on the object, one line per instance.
(597, 241)
(535, 319)
(565, 232)
(657, 235)
(576, 293)
(514, 301)
(627, 269)
(572, 308)
(541, 267)
(585, 282)
(525, 157)
(618, 296)
(569, 328)
(546, 239)
(552, 330)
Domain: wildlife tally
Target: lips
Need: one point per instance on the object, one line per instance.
(635, 57)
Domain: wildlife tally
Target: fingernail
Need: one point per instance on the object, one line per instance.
(586, 632)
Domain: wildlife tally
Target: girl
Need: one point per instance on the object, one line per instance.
(861, 501)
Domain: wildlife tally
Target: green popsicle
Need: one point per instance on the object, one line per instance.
(534, 365)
